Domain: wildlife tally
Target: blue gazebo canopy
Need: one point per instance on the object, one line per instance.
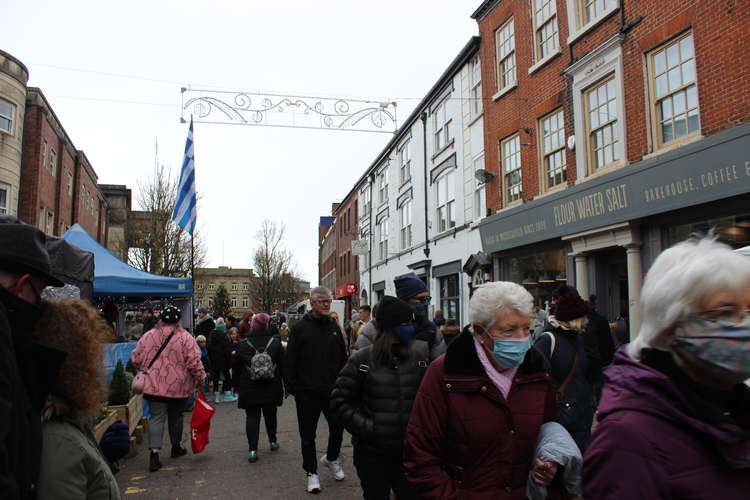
(114, 277)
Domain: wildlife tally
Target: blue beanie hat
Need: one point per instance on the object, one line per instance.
(408, 285)
(115, 442)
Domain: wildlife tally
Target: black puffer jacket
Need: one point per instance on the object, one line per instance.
(258, 392)
(374, 403)
(219, 350)
(315, 354)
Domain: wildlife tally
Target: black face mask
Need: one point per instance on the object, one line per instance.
(21, 314)
(419, 309)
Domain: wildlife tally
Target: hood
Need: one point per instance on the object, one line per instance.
(635, 386)
(204, 318)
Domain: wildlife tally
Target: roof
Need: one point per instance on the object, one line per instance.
(114, 277)
(484, 9)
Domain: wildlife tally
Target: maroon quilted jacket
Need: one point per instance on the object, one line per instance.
(464, 440)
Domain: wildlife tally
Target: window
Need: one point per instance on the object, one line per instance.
(234, 302)
(364, 235)
(364, 195)
(53, 162)
(245, 302)
(246, 286)
(476, 86)
(446, 201)
(45, 147)
(506, 55)
(510, 154)
(383, 238)
(7, 112)
(601, 130)
(480, 200)
(450, 297)
(592, 9)
(383, 185)
(552, 141)
(4, 198)
(545, 28)
(210, 302)
(443, 134)
(404, 162)
(70, 184)
(404, 215)
(200, 286)
(674, 90)
(234, 287)
(212, 286)
(200, 303)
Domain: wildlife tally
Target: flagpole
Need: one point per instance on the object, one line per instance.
(192, 279)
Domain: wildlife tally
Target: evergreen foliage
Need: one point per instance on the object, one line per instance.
(130, 368)
(222, 304)
(119, 390)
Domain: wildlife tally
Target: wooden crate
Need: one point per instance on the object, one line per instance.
(130, 413)
(102, 426)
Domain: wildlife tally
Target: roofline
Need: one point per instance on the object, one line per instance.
(19, 63)
(48, 107)
(484, 9)
(471, 47)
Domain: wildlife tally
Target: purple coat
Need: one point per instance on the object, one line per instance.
(650, 445)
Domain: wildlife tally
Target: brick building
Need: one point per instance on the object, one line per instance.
(345, 231)
(614, 129)
(327, 256)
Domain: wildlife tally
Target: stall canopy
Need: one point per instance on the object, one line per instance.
(114, 277)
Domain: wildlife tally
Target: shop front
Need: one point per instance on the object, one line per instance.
(603, 233)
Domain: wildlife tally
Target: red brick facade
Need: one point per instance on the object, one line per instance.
(345, 229)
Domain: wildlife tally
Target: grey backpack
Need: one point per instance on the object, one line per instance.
(261, 365)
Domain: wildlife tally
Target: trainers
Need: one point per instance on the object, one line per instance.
(229, 396)
(274, 446)
(253, 457)
(313, 483)
(154, 464)
(335, 467)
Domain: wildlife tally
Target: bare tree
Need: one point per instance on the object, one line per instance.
(157, 244)
(275, 282)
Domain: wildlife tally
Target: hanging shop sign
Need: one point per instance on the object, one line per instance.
(346, 290)
(711, 169)
(360, 247)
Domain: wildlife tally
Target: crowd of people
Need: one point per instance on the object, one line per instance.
(502, 408)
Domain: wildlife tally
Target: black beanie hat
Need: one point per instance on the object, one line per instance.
(170, 314)
(570, 305)
(393, 311)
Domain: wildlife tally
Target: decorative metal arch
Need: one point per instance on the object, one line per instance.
(279, 110)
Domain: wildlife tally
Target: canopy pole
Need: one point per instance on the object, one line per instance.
(192, 282)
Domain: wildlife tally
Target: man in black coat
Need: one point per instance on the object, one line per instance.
(314, 357)
(27, 370)
(149, 320)
(205, 324)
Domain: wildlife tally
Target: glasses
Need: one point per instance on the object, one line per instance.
(423, 300)
(323, 301)
(729, 314)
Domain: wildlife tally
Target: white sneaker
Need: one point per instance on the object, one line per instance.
(313, 483)
(335, 467)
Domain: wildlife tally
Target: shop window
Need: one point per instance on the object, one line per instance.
(505, 47)
(510, 155)
(540, 273)
(733, 230)
(552, 140)
(7, 114)
(602, 124)
(450, 297)
(674, 92)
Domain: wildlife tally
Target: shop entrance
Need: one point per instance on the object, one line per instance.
(611, 283)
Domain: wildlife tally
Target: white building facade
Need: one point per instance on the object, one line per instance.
(420, 202)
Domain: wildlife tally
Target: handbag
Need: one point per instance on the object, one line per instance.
(139, 381)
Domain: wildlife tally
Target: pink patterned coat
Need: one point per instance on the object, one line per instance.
(179, 367)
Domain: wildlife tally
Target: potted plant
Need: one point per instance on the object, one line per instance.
(129, 409)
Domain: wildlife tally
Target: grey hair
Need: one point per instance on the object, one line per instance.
(320, 292)
(498, 297)
(680, 278)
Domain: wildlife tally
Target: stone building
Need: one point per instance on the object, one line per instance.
(13, 78)
(235, 280)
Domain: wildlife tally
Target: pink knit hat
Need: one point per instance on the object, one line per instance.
(260, 320)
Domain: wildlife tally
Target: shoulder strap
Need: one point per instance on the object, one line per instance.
(268, 344)
(568, 378)
(158, 353)
(552, 343)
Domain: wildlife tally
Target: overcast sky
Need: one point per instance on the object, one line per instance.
(113, 71)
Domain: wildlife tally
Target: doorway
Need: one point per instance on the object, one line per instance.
(611, 283)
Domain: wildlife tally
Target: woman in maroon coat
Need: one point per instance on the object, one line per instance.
(476, 417)
(674, 419)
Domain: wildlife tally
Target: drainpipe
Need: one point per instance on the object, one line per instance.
(423, 117)
(369, 239)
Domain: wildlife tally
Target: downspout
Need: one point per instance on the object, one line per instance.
(369, 239)
(423, 117)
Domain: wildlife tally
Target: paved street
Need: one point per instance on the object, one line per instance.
(222, 470)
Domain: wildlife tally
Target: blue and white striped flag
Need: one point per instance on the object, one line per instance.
(184, 208)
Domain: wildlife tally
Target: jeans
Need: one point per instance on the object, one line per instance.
(309, 409)
(379, 474)
(165, 411)
(252, 424)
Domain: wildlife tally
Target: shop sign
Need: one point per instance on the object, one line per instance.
(711, 169)
(360, 247)
(346, 290)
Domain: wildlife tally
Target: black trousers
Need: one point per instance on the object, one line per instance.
(252, 424)
(216, 375)
(165, 411)
(379, 474)
(309, 409)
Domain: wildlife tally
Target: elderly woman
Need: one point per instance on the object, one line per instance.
(674, 420)
(479, 409)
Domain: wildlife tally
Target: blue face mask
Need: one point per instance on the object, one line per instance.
(405, 332)
(419, 309)
(510, 352)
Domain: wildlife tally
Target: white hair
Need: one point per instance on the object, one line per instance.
(679, 280)
(319, 292)
(498, 297)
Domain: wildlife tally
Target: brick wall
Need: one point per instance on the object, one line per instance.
(345, 229)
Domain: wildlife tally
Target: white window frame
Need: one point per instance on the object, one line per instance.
(503, 44)
(655, 102)
(445, 200)
(510, 153)
(552, 146)
(404, 161)
(383, 186)
(587, 71)
(480, 194)
(578, 25)
(545, 26)
(404, 217)
(475, 79)
(4, 208)
(246, 286)
(605, 124)
(212, 286)
(382, 228)
(245, 302)
(200, 286)
(364, 195)
(442, 123)
(10, 118)
(234, 302)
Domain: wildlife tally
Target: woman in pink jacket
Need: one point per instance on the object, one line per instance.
(170, 379)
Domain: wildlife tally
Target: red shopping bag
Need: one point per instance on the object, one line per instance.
(200, 423)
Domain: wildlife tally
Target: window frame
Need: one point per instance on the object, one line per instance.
(479, 200)
(404, 161)
(53, 162)
(507, 201)
(7, 189)
(538, 52)
(11, 119)
(212, 286)
(510, 56)
(382, 228)
(364, 195)
(591, 148)
(475, 86)
(245, 302)
(405, 232)
(654, 102)
(442, 127)
(544, 155)
(383, 186)
(446, 179)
